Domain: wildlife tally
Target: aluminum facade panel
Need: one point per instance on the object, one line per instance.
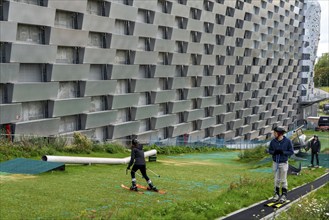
(123, 129)
(10, 113)
(98, 87)
(67, 72)
(43, 127)
(98, 119)
(66, 107)
(98, 56)
(26, 13)
(9, 72)
(10, 34)
(142, 112)
(24, 92)
(21, 53)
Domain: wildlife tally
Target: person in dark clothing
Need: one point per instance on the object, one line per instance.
(315, 150)
(137, 159)
(281, 149)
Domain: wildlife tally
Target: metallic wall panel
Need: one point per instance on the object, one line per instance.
(98, 55)
(97, 23)
(207, 122)
(10, 34)
(9, 72)
(123, 100)
(142, 112)
(65, 107)
(63, 37)
(68, 5)
(10, 113)
(179, 129)
(192, 115)
(123, 129)
(24, 92)
(145, 85)
(67, 72)
(123, 71)
(178, 106)
(43, 127)
(21, 53)
(164, 71)
(98, 119)
(163, 96)
(163, 121)
(31, 14)
(98, 87)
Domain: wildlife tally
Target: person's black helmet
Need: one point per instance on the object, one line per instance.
(279, 129)
(134, 142)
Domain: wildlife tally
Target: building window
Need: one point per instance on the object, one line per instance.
(124, 27)
(31, 34)
(220, 19)
(99, 40)
(195, 13)
(164, 6)
(34, 2)
(66, 19)
(68, 55)
(164, 32)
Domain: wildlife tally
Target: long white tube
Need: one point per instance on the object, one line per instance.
(92, 160)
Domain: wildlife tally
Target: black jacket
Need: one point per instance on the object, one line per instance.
(285, 146)
(137, 156)
(315, 146)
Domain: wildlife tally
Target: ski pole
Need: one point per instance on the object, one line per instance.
(154, 173)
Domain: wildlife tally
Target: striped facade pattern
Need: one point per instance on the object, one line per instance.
(113, 69)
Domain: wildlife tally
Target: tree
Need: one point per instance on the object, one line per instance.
(321, 71)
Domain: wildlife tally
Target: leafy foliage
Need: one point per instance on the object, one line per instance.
(254, 154)
(321, 71)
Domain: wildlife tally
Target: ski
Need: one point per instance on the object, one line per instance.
(279, 204)
(270, 204)
(146, 188)
(127, 188)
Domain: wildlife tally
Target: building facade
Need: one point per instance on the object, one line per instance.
(159, 69)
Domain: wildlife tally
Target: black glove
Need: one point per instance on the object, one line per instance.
(278, 152)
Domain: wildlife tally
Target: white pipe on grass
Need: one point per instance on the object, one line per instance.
(92, 160)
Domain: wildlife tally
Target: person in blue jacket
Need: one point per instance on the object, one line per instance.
(281, 149)
(137, 159)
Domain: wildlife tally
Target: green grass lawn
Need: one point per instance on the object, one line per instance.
(325, 88)
(199, 186)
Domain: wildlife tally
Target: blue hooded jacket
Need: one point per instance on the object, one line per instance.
(285, 145)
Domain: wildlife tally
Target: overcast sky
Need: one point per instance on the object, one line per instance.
(324, 28)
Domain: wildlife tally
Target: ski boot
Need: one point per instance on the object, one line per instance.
(152, 187)
(134, 188)
(283, 197)
(276, 196)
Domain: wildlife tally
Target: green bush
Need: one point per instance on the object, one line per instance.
(254, 154)
(81, 144)
(167, 150)
(115, 148)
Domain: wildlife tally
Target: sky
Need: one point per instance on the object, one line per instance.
(324, 28)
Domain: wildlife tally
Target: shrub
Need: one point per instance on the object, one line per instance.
(254, 154)
(115, 148)
(81, 144)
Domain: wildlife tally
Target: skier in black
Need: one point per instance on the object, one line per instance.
(281, 149)
(138, 159)
(315, 149)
